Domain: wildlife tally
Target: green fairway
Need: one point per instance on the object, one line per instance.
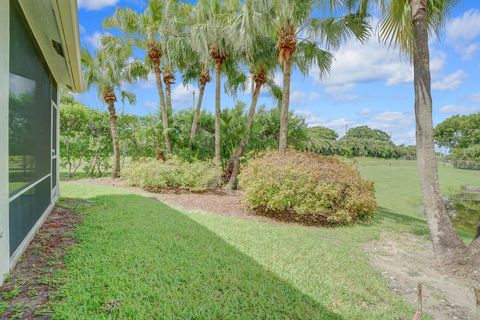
(140, 259)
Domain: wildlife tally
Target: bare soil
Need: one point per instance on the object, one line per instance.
(29, 287)
(405, 261)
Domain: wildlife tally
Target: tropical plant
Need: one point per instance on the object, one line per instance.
(407, 24)
(149, 30)
(107, 70)
(299, 37)
(210, 39)
(458, 131)
(258, 53)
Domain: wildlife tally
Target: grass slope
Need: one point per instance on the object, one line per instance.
(139, 259)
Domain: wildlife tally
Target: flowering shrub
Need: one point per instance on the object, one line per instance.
(306, 187)
(174, 173)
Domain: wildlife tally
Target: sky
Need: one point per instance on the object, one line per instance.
(369, 84)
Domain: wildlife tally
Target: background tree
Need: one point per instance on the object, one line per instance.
(300, 36)
(148, 30)
(458, 131)
(319, 132)
(407, 25)
(364, 132)
(107, 70)
(210, 34)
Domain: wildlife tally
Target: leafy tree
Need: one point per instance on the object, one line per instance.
(407, 24)
(319, 132)
(107, 71)
(458, 131)
(364, 132)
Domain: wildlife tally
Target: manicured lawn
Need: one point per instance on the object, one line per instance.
(140, 259)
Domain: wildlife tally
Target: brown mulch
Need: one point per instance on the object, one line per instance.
(28, 289)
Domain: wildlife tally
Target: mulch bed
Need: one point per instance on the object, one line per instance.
(28, 289)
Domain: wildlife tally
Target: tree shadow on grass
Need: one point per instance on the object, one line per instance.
(140, 259)
(394, 219)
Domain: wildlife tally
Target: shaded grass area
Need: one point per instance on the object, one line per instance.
(148, 260)
(138, 258)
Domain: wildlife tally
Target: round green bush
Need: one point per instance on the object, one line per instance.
(307, 188)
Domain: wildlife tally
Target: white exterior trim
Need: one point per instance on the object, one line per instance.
(16, 195)
(4, 88)
(26, 241)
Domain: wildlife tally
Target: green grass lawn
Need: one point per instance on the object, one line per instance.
(149, 261)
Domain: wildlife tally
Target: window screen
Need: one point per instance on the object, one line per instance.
(29, 108)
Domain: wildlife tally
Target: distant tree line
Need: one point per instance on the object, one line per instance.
(360, 141)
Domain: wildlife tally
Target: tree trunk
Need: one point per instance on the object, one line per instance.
(163, 107)
(282, 144)
(233, 167)
(446, 242)
(116, 148)
(168, 91)
(196, 116)
(218, 155)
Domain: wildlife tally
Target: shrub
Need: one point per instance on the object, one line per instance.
(174, 173)
(467, 158)
(306, 187)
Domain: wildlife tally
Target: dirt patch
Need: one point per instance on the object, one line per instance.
(407, 260)
(29, 287)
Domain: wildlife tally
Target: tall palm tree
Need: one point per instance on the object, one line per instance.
(107, 70)
(407, 24)
(299, 37)
(258, 52)
(210, 38)
(149, 29)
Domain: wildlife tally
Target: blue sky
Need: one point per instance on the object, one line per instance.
(368, 84)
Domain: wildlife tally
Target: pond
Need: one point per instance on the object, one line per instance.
(465, 211)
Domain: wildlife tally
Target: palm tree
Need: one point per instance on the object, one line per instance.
(149, 30)
(107, 70)
(299, 37)
(259, 53)
(210, 38)
(407, 24)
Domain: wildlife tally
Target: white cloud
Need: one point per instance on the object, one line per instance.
(342, 92)
(96, 4)
(356, 62)
(462, 31)
(399, 125)
(312, 120)
(152, 105)
(182, 96)
(81, 28)
(458, 109)
(94, 40)
(449, 82)
(298, 97)
(474, 97)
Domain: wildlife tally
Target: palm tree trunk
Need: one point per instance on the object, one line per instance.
(168, 91)
(196, 116)
(116, 148)
(163, 107)
(446, 243)
(282, 144)
(234, 162)
(218, 154)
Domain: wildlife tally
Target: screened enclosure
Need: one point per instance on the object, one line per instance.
(39, 52)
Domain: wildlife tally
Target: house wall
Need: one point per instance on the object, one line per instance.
(4, 88)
